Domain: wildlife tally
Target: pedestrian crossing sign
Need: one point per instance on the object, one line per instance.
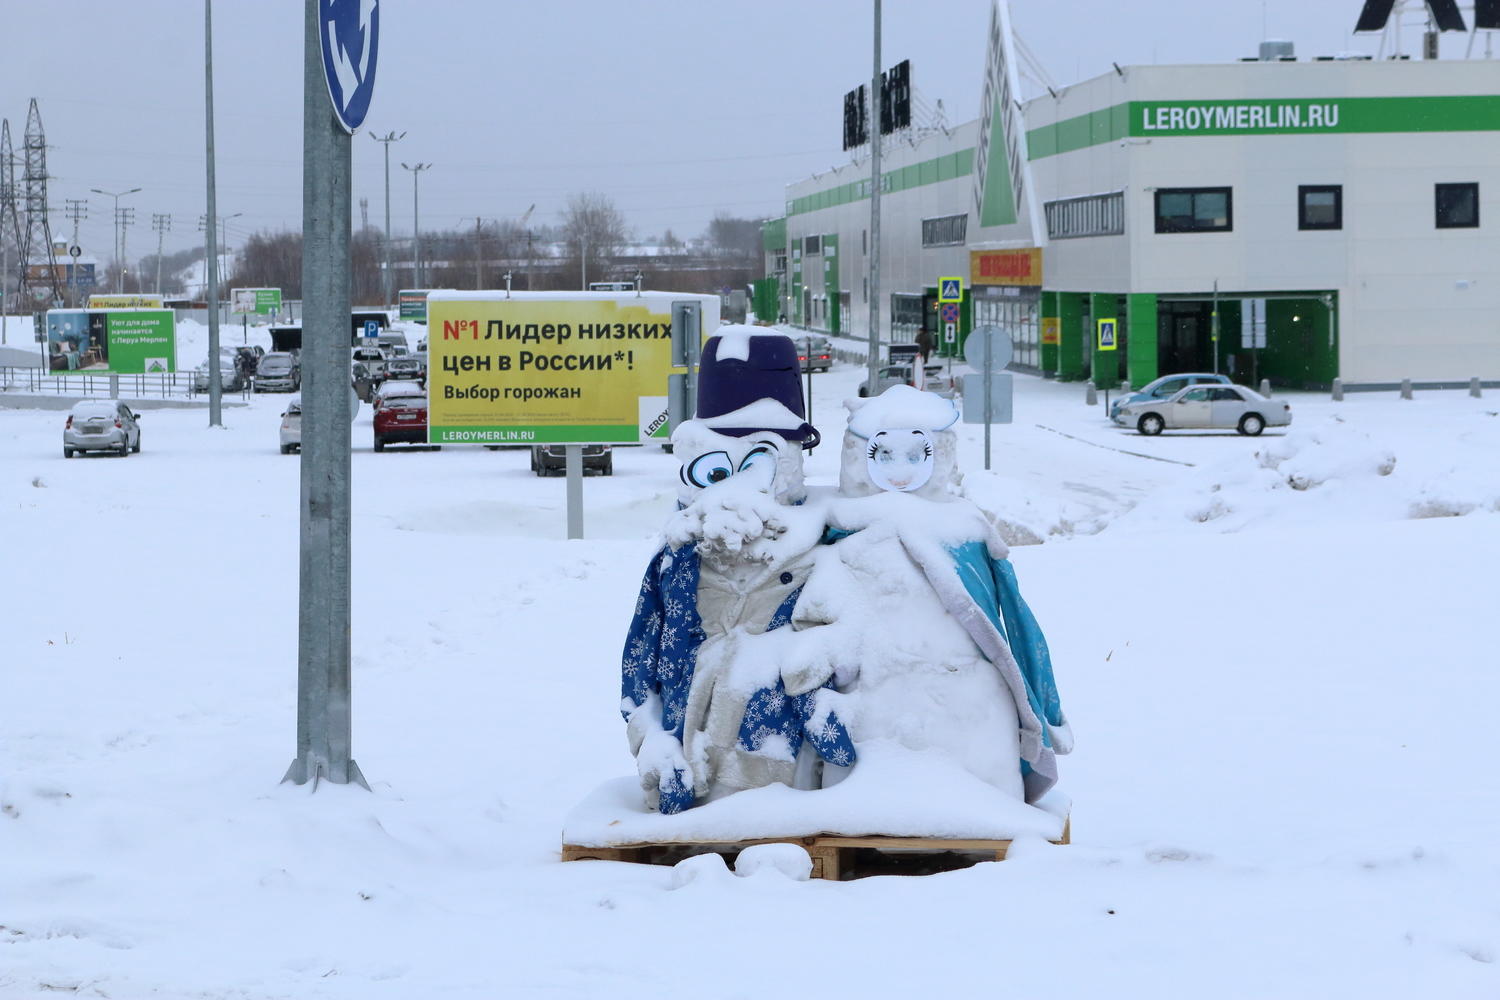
(1107, 334)
(950, 289)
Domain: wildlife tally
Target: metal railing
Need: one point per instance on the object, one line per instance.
(156, 385)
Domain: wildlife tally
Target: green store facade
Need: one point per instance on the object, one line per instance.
(1292, 221)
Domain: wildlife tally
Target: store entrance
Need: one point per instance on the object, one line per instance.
(1184, 337)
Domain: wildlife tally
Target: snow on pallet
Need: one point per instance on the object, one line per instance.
(833, 857)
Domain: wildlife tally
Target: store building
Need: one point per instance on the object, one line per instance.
(1296, 220)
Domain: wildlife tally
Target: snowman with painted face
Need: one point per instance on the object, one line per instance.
(706, 715)
(916, 612)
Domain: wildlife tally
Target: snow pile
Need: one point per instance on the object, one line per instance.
(1332, 469)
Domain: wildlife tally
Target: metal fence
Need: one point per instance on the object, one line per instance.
(160, 385)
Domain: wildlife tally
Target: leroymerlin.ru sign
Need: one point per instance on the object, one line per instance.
(1212, 117)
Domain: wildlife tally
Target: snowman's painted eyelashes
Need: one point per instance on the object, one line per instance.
(716, 466)
(880, 447)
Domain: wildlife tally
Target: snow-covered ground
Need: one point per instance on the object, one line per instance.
(1276, 655)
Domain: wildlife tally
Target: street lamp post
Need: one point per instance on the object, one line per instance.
(222, 228)
(119, 250)
(416, 231)
(386, 141)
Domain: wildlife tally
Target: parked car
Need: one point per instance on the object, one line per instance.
(1205, 407)
(405, 368)
(231, 379)
(101, 425)
(291, 426)
(551, 459)
(373, 358)
(278, 372)
(1167, 385)
(400, 415)
(814, 353)
(934, 381)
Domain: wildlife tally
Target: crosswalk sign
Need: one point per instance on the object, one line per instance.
(1107, 334)
(950, 289)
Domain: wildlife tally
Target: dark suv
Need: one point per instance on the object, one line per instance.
(551, 459)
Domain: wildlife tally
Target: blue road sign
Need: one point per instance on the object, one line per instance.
(950, 289)
(372, 328)
(349, 31)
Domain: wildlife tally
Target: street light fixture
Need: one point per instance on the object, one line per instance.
(119, 251)
(386, 141)
(416, 231)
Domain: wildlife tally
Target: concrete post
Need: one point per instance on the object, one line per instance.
(1265, 387)
(323, 676)
(1338, 390)
(1474, 389)
(1406, 388)
(1091, 395)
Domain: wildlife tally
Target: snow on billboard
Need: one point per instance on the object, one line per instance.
(570, 368)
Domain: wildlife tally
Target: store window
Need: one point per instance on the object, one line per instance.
(948, 231)
(1194, 210)
(1091, 215)
(1320, 206)
(1457, 206)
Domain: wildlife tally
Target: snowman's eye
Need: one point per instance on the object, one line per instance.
(759, 453)
(705, 470)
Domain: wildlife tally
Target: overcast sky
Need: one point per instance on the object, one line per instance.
(675, 109)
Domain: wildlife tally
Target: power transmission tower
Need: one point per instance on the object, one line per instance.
(36, 237)
(478, 253)
(364, 214)
(10, 223)
(162, 223)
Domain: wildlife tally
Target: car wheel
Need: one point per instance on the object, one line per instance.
(609, 466)
(1252, 424)
(124, 449)
(286, 449)
(137, 448)
(863, 391)
(67, 453)
(379, 445)
(1150, 424)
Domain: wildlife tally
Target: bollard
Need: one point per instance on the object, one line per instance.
(1265, 387)
(1092, 396)
(1474, 388)
(1406, 388)
(1338, 390)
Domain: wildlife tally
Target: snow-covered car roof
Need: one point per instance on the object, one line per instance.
(94, 408)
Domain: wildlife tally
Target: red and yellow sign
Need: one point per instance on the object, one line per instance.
(1051, 330)
(1006, 267)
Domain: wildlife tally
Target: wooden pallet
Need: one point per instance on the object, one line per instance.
(835, 858)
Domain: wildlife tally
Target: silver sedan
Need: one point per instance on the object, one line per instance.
(1205, 407)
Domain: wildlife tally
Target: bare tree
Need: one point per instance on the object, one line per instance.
(732, 237)
(593, 231)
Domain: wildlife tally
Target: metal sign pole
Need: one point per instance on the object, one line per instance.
(988, 410)
(573, 465)
(323, 676)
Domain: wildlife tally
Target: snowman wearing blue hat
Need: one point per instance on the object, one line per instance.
(703, 716)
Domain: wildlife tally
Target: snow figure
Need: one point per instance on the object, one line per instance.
(704, 715)
(915, 611)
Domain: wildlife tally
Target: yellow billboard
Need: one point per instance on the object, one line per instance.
(132, 301)
(551, 368)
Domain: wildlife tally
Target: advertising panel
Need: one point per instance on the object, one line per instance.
(412, 304)
(538, 368)
(131, 301)
(111, 342)
(255, 301)
(1006, 267)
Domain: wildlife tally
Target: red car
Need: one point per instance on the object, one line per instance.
(401, 415)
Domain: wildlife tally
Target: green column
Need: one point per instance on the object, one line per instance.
(1140, 311)
(1050, 323)
(831, 281)
(1070, 336)
(1106, 364)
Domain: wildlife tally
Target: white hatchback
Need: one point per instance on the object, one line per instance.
(101, 425)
